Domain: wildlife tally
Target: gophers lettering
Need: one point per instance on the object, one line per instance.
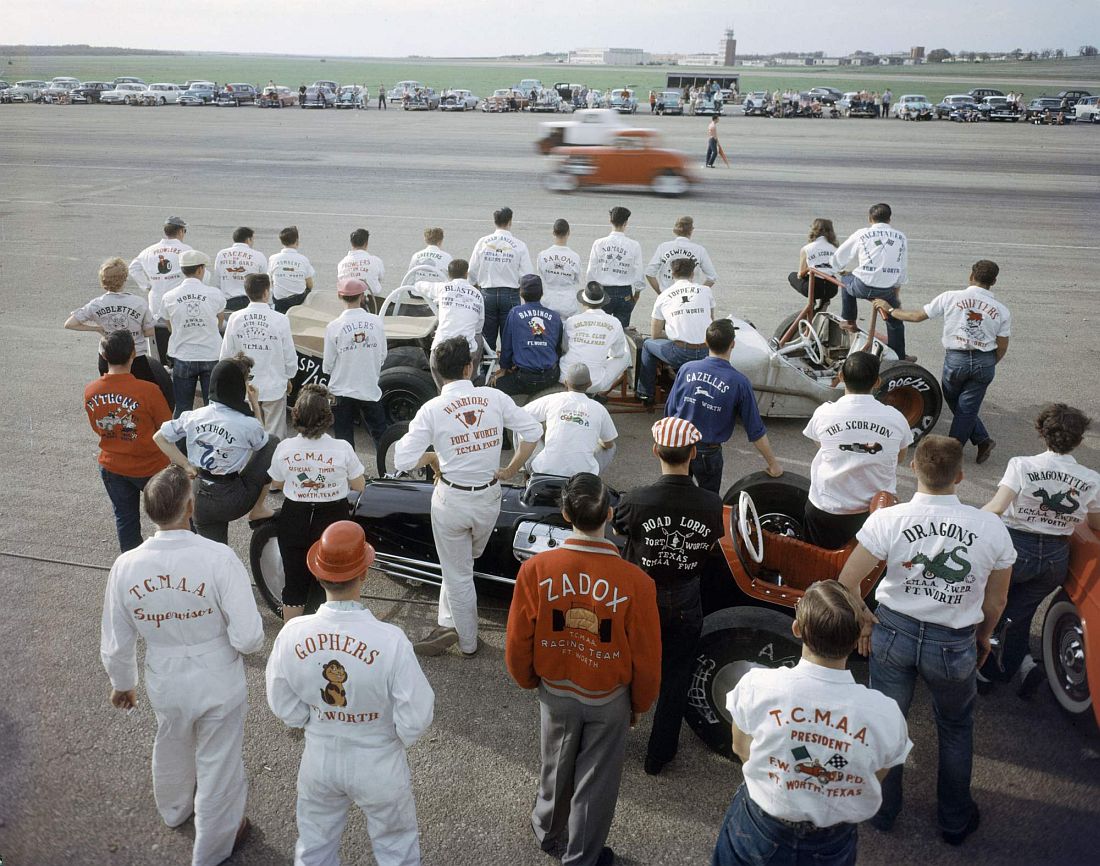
(341, 643)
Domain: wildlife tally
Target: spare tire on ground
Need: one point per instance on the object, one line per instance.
(404, 390)
(914, 392)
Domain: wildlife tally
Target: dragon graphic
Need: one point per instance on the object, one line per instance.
(1060, 503)
(949, 566)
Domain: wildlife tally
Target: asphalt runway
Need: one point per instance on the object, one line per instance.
(78, 184)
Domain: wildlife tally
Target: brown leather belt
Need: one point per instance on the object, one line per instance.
(680, 344)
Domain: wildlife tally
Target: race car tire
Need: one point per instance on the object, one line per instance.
(267, 569)
(384, 462)
(407, 356)
(780, 502)
(560, 181)
(670, 184)
(733, 641)
(1064, 660)
(914, 392)
(404, 390)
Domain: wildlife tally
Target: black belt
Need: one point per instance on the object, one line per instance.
(699, 446)
(466, 489)
(532, 372)
(680, 344)
(210, 476)
(973, 351)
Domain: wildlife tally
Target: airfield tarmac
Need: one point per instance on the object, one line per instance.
(80, 183)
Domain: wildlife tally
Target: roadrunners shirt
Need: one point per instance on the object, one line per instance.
(592, 338)
(125, 412)
(118, 311)
(219, 439)
(263, 333)
(819, 255)
(157, 269)
(973, 319)
(818, 737)
(938, 554)
(355, 348)
(660, 266)
(192, 309)
(712, 395)
(687, 309)
(1054, 493)
(465, 425)
(670, 527)
(346, 677)
(883, 256)
(235, 263)
(575, 426)
(584, 624)
(860, 439)
(460, 309)
(315, 470)
(560, 269)
(431, 257)
(361, 265)
(616, 260)
(532, 338)
(499, 260)
(289, 270)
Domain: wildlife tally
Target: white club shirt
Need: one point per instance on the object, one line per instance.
(315, 470)
(818, 738)
(355, 348)
(188, 597)
(460, 309)
(465, 425)
(192, 309)
(575, 426)
(361, 265)
(118, 311)
(973, 319)
(157, 269)
(289, 270)
(860, 439)
(938, 554)
(1054, 493)
(348, 678)
(592, 338)
(219, 439)
(616, 260)
(883, 256)
(499, 260)
(235, 263)
(687, 309)
(431, 257)
(819, 255)
(560, 269)
(263, 334)
(660, 266)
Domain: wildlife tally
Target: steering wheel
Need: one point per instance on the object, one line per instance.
(746, 508)
(815, 350)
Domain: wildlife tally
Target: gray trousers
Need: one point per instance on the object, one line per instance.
(583, 748)
(220, 500)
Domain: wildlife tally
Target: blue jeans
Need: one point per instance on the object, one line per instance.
(855, 288)
(498, 302)
(185, 375)
(125, 495)
(712, 150)
(966, 375)
(751, 837)
(667, 351)
(946, 659)
(707, 467)
(621, 303)
(347, 409)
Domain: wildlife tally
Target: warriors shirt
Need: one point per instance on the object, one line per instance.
(1054, 493)
(125, 412)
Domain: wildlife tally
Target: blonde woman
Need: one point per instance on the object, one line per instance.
(816, 255)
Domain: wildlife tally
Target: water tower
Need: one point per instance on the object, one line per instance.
(729, 46)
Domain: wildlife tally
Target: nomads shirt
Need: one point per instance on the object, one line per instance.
(263, 334)
(192, 309)
(883, 256)
(532, 338)
(712, 395)
(235, 263)
(575, 426)
(616, 260)
(157, 269)
(460, 309)
(1054, 493)
(671, 528)
(687, 309)
(560, 269)
(938, 554)
(499, 260)
(860, 439)
(361, 265)
(289, 270)
(660, 266)
(973, 319)
(355, 348)
(818, 738)
(118, 311)
(219, 439)
(125, 412)
(315, 470)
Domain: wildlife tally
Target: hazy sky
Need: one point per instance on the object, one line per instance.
(493, 27)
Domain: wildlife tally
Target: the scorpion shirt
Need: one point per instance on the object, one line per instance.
(1053, 493)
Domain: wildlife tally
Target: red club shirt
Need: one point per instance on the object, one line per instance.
(125, 412)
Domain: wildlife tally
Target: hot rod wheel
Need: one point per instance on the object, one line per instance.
(267, 569)
(1064, 660)
(385, 453)
(404, 390)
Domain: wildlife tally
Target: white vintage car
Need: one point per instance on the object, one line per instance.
(458, 100)
(589, 126)
(27, 91)
(160, 94)
(402, 88)
(123, 94)
(913, 106)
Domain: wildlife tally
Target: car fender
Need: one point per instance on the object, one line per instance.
(1083, 587)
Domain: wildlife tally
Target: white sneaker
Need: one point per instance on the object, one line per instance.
(1031, 677)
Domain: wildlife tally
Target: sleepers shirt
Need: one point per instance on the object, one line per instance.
(1054, 493)
(575, 426)
(560, 269)
(616, 260)
(431, 257)
(235, 263)
(118, 311)
(289, 270)
(973, 319)
(687, 310)
(883, 256)
(192, 308)
(315, 470)
(263, 334)
(355, 348)
(499, 260)
(219, 439)
(660, 266)
(361, 265)
(157, 269)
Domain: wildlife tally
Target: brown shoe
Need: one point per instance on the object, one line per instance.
(850, 327)
(243, 832)
(436, 643)
(983, 451)
(910, 358)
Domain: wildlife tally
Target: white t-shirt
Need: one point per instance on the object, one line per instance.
(118, 311)
(591, 338)
(315, 470)
(687, 309)
(973, 319)
(616, 260)
(499, 260)
(157, 269)
(431, 257)
(289, 270)
(460, 309)
(1054, 493)
(264, 335)
(355, 348)
(819, 255)
(860, 440)
(219, 439)
(192, 308)
(361, 265)
(575, 426)
(883, 256)
(235, 263)
(939, 554)
(818, 738)
(560, 269)
(660, 266)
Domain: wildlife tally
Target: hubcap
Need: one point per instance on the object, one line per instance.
(724, 681)
(669, 184)
(271, 564)
(1070, 644)
(401, 406)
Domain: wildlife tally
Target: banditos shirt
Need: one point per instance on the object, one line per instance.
(219, 439)
(712, 395)
(584, 623)
(499, 260)
(883, 256)
(973, 319)
(460, 309)
(687, 309)
(263, 334)
(818, 738)
(192, 308)
(118, 311)
(616, 260)
(235, 263)
(1054, 493)
(532, 338)
(125, 412)
(660, 266)
(157, 269)
(289, 270)
(938, 554)
(361, 265)
(355, 349)
(560, 269)
(315, 470)
(575, 426)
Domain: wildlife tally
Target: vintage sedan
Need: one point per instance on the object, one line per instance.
(237, 95)
(198, 93)
(757, 104)
(128, 79)
(30, 90)
(318, 96)
(1087, 110)
(5, 91)
(123, 94)
(998, 108)
(351, 96)
(160, 94)
(622, 100)
(913, 106)
(401, 88)
(89, 91)
(669, 102)
(457, 100)
(505, 99)
(634, 157)
(60, 90)
(955, 102)
(424, 99)
(277, 97)
(1043, 107)
(549, 101)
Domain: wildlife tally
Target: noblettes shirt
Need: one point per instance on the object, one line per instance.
(118, 311)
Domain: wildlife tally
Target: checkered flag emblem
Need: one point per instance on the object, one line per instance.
(837, 762)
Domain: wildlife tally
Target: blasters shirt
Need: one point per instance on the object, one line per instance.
(560, 269)
(465, 425)
(575, 426)
(712, 395)
(361, 265)
(860, 440)
(818, 737)
(431, 257)
(192, 308)
(939, 554)
(315, 470)
(235, 263)
(660, 266)
(118, 311)
(671, 527)
(125, 412)
(346, 677)
(289, 270)
(591, 338)
(460, 309)
(532, 338)
(616, 260)
(188, 597)
(355, 348)
(819, 255)
(219, 439)
(687, 309)
(499, 260)
(157, 269)
(973, 319)
(883, 256)
(1054, 493)
(264, 335)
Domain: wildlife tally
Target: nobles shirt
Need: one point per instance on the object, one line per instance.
(192, 309)
(1054, 493)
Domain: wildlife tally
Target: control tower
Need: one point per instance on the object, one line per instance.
(729, 48)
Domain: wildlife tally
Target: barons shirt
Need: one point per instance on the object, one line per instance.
(125, 412)
(361, 265)
(157, 269)
(355, 347)
(883, 256)
(660, 266)
(591, 338)
(289, 270)
(118, 311)
(263, 333)
(973, 319)
(315, 470)
(687, 309)
(235, 263)
(192, 308)
(460, 309)
(616, 260)
(575, 426)
(1054, 493)
(939, 554)
(818, 738)
(560, 269)
(532, 338)
(711, 394)
(499, 260)
(219, 439)
(860, 439)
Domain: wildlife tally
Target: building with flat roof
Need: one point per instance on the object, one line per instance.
(699, 60)
(608, 56)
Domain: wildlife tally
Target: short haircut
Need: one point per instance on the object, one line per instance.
(117, 347)
(451, 357)
(585, 500)
(985, 272)
(335, 586)
(458, 268)
(561, 228)
(720, 336)
(166, 495)
(502, 217)
(826, 616)
(860, 372)
(243, 235)
(256, 286)
(619, 216)
(674, 456)
(685, 225)
(532, 291)
(113, 274)
(880, 213)
(433, 236)
(359, 238)
(938, 460)
(288, 236)
(312, 414)
(1062, 427)
(173, 231)
(191, 270)
(682, 268)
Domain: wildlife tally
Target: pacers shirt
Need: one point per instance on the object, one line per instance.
(235, 263)
(973, 319)
(1054, 493)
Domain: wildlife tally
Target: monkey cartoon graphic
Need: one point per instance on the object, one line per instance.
(334, 693)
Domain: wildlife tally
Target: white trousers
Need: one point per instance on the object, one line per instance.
(333, 775)
(274, 416)
(462, 522)
(604, 375)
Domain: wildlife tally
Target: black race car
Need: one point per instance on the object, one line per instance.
(862, 447)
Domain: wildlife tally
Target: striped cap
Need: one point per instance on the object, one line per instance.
(675, 433)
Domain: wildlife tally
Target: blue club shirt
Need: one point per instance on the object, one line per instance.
(711, 394)
(532, 338)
